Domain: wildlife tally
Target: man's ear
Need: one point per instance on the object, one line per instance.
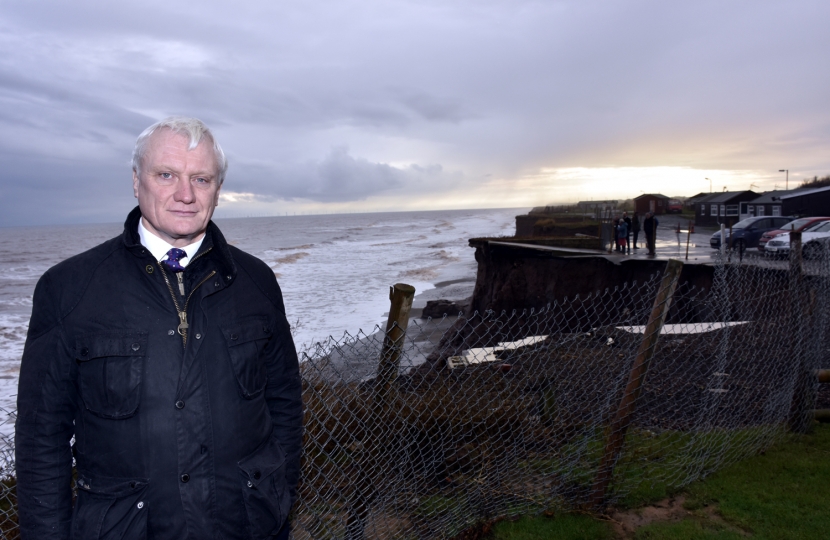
(135, 183)
(216, 199)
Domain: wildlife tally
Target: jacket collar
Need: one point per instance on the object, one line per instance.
(213, 239)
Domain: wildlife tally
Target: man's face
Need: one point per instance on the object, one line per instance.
(178, 188)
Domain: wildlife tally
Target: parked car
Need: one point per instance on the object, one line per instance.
(747, 232)
(813, 242)
(798, 225)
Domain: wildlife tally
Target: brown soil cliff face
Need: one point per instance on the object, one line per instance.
(514, 278)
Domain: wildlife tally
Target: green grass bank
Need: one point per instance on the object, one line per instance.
(782, 494)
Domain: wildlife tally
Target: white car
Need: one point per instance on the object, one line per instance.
(813, 242)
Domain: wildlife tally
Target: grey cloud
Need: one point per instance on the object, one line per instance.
(501, 87)
(339, 177)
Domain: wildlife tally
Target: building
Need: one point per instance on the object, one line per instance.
(651, 202)
(593, 206)
(805, 202)
(722, 207)
(692, 201)
(767, 204)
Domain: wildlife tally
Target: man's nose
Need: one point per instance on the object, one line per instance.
(184, 192)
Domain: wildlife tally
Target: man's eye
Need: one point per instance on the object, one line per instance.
(201, 180)
(166, 175)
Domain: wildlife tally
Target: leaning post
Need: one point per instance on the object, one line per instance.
(400, 296)
(376, 444)
(616, 430)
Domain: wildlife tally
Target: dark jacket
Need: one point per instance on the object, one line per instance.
(176, 436)
(650, 226)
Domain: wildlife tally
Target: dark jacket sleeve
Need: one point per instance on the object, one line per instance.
(284, 396)
(45, 411)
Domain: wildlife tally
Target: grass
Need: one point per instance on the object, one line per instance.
(566, 527)
(782, 494)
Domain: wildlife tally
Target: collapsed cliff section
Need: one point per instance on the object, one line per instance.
(513, 275)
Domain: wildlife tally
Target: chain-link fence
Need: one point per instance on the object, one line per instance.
(574, 405)
(617, 397)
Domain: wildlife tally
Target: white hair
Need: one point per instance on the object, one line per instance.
(193, 128)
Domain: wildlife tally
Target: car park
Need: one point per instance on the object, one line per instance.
(747, 232)
(813, 242)
(798, 225)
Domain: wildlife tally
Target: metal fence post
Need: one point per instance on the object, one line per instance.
(799, 420)
(616, 430)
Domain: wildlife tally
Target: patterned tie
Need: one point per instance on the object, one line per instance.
(173, 258)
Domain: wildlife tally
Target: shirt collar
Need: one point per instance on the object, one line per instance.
(159, 247)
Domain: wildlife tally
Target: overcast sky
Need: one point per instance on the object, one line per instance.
(349, 106)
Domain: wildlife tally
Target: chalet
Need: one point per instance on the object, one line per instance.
(593, 206)
(692, 201)
(722, 207)
(805, 202)
(651, 202)
(767, 204)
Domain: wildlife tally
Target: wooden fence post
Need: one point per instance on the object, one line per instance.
(616, 430)
(363, 484)
(400, 296)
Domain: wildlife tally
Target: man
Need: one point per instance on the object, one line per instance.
(166, 353)
(635, 224)
(650, 230)
(628, 231)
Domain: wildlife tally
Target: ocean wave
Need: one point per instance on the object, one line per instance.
(294, 257)
(13, 329)
(399, 242)
(424, 274)
(22, 273)
(445, 255)
(18, 301)
(292, 248)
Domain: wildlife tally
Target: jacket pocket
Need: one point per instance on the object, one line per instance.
(265, 490)
(246, 342)
(109, 372)
(110, 509)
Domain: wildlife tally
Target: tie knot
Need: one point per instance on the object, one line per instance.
(173, 258)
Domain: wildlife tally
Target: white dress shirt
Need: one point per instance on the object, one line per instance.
(159, 247)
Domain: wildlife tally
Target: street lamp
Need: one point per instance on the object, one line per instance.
(787, 185)
(710, 185)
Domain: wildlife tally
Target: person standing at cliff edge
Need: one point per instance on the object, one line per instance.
(167, 354)
(650, 230)
(628, 231)
(635, 227)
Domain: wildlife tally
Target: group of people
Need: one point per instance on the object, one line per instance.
(625, 227)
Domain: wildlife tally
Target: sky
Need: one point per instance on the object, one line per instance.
(356, 106)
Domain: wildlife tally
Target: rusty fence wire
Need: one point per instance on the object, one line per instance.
(500, 414)
(618, 397)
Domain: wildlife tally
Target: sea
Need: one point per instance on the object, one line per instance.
(335, 270)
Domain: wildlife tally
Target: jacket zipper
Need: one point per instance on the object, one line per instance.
(183, 326)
